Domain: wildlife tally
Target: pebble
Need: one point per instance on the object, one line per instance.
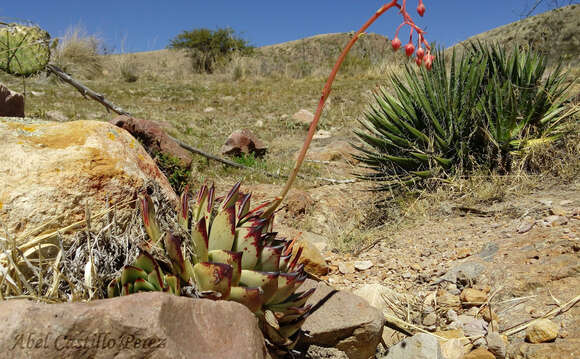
(479, 353)
(470, 296)
(496, 345)
(430, 319)
(541, 331)
(345, 268)
(363, 265)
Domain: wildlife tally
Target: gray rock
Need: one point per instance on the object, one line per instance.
(496, 345)
(344, 321)
(419, 346)
(144, 325)
(467, 272)
(363, 265)
(488, 251)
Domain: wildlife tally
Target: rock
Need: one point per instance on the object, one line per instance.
(430, 319)
(56, 116)
(465, 273)
(322, 134)
(565, 349)
(208, 109)
(463, 252)
(374, 294)
(448, 300)
(419, 346)
(479, 353)
(334, 151)
(50, 171)
(541, 331)
(153, 138)
(553, 221)
(452, 349)
(345, 268)
(489, 315)
(451, 315)
(470, 297)
(316, 352)
(314, 262)
(474, 328)
(141, 325)
(244, 142)
(303, 117)
(345, 321)
(496, 345)
(228, 98)
(363, 265)
(525, 226)
(11, 103)
(488, 251)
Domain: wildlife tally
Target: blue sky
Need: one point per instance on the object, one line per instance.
(146, 25)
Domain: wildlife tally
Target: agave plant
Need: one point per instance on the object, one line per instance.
(473, 112)
(24, 50)
(234, 256)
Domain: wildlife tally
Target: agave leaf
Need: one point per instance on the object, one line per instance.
(146, 262)
(156, 280)
(287, 282)
(292, 314)
(216, 277)
(289, 329)
(131, 273)
(270, 258)
(248, 240)
(267, 281)
(141, 285)
(149, 219)
(223, 229)
(113, 288)
(234, 259)
(231, 198)
(250, 297)
(127, 289)
(199, 241)
(296, 300)
(200, 204)
(243, 206)
(175, 254)
(172, 284)
(183, 209)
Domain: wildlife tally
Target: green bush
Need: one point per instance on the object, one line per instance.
(208, 48)
(477, 112)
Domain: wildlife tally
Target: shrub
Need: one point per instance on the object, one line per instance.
(208, 48)
(476, 112)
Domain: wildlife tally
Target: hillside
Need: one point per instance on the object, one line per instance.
(555, 33)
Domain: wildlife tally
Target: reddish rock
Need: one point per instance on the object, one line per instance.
(153, 138)
(11, 103)
(144, 325)
(244, 142)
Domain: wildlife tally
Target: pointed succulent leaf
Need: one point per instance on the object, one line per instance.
(231, 198)
(200, 204)
(234, 259)
(183, 209)
(131, 273)
(293, 301)
(141, 285)
(291, 314)
(250, 297)
(267, 281)
(149, 220)
(113, 288)
(156, 280)
(172, 284)
(285, 262)
(287, 283)
(175, 254)
(223, 229)
(243, 206)
(215, 277)
(146, 262)
(199, 241)
(127, 289)
(270, 258)
(289, 329)
(248, 240)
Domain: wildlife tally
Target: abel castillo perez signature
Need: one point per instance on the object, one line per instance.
(86, 341)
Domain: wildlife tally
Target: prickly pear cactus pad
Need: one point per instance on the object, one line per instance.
(24, 50)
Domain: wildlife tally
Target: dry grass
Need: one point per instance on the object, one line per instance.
(79, 54)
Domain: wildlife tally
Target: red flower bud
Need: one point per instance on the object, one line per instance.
(421, 9)
(418, 61)
(429, 61)
(396, 43)
(420, 53)
(409, 49)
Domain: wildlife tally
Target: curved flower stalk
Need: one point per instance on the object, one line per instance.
(427, 59)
